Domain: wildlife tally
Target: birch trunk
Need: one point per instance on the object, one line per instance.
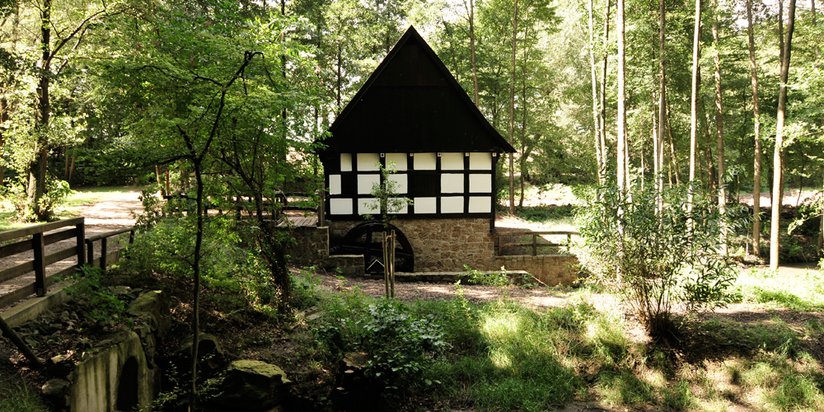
(719, 133)
(756, 185)
(512, 108)
(696, 54)
(621, 136)
(778, 161)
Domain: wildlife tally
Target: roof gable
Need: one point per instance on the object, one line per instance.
(412, 103)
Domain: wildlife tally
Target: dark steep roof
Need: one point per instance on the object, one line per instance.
(412, 103)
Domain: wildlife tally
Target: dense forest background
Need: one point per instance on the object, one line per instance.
(102, 92)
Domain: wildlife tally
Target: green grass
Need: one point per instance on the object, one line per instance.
(799, 290)
(16, 396)
(505, 356)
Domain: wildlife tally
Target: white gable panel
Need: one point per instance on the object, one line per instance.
(452, 204)
(480, 204)
(424, 205)
(452, 161)
(340, 206)
(345, 162)
(398, 205)
(400, 181)
(480, 183)
(367, 182)
(452, 183)
(480, 161)
(396, 160)
(368, 162)
(334, 185)
(424, 161)
(369, 207)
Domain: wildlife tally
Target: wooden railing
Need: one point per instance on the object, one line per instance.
(535, 241)
(35, 239)
(106, 255)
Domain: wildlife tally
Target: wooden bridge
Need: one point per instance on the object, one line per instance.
(36, 257)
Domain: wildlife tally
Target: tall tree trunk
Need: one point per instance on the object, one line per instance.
(673, 155)
(696, 54)
(472, 57)
(602, 126)
(662, 106)
(756, 185)
(38, 166)
(338, 79)
(621, 122)
(512, 108)
(599, 155)
(719, 132)
(778, 161)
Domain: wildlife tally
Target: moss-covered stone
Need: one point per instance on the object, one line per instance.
(251, 385)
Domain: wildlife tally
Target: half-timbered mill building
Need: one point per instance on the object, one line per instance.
(412, 115)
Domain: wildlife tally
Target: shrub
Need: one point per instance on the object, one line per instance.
(227, 264)
(103, 305)
(56, 192)
(651, 256)
(477, 277)
(397, 343)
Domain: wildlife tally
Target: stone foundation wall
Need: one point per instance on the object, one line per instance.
(550, 269)
(441, 244)
(310, 246)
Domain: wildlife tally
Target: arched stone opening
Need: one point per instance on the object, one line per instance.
(127, 386)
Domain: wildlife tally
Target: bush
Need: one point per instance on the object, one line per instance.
(227, 264)
(104, 306)
(652, 258)
(397, 344)
(56, 192)
(477, 277)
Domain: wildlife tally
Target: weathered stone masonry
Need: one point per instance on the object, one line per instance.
(441, 244)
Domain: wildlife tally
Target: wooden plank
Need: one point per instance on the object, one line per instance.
(16, 295)
(15, 248)
(15, 271)
(39, 264)
(80, 246)
(26, 290)
(59, 255)
(44, 227)
(109, 234)
(58, 236)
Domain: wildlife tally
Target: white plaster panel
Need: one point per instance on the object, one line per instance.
(424, 161)
(425, 205)
(452, 161)
(452, 204)
(340, 206)
(397, 160)
(369, 206)
(368, 162)
(452, 183)
(334, 185)
(480, 183)
(367, 182)
(398, 206)
(345, 162)
(480, 204)
(400, 180)
(480, 161)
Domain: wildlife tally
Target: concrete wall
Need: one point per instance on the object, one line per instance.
(550, 269)
(441, 244)
(96, 380)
